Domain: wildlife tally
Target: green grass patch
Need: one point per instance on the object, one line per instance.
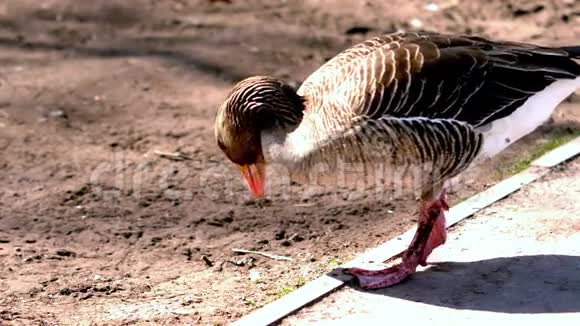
(290, 287)
(335, 261)
(551, 143)
(250, 302)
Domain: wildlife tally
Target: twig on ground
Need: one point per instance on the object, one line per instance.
(207, 261)
(176, 156)
(265, 254)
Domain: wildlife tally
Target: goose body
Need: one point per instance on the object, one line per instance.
(407, 110)
(481, 94)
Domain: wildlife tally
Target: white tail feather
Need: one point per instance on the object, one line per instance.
(499, 134)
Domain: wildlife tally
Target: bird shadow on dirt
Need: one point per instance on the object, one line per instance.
(522, 284)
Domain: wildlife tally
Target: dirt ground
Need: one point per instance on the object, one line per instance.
(96, 227)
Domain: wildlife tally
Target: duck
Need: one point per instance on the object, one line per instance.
(407, 110)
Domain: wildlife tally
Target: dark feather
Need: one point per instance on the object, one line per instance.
(469, 79)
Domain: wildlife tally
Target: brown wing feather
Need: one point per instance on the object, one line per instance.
(431, 75)
(426, 150)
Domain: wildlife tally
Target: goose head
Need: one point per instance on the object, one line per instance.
(258, 112)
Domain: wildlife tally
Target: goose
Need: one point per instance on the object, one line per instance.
(417, 106)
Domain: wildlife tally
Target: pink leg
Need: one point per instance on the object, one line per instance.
(438, 234)
(431, 233)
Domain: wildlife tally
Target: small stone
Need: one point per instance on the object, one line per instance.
(432, 7)
(280, 235)
(255, 276)
(56, 114)
(65, 291)
(65, 253)
(87, 296)
(246, 261)
(296, 238)
(32, 258)
(188, 253)
(215, 223)
(187, 301)
(416, 23)
(145, 203)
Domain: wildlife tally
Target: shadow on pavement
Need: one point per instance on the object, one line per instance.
(522, 284)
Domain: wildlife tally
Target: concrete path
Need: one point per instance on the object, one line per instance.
(517, 261)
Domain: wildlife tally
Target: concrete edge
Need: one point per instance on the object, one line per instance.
(560, 154)
(326, 284)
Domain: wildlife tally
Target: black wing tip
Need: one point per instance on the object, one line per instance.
(573, 51)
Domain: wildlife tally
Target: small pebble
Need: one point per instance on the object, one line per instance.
(65, 253)
(255, 276)
(416, 23)
(432, 7)
(296, 238)
(56, 114)
(280, 235)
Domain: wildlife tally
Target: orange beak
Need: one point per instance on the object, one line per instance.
(254, 175)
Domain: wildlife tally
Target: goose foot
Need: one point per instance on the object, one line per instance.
(430, 234)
